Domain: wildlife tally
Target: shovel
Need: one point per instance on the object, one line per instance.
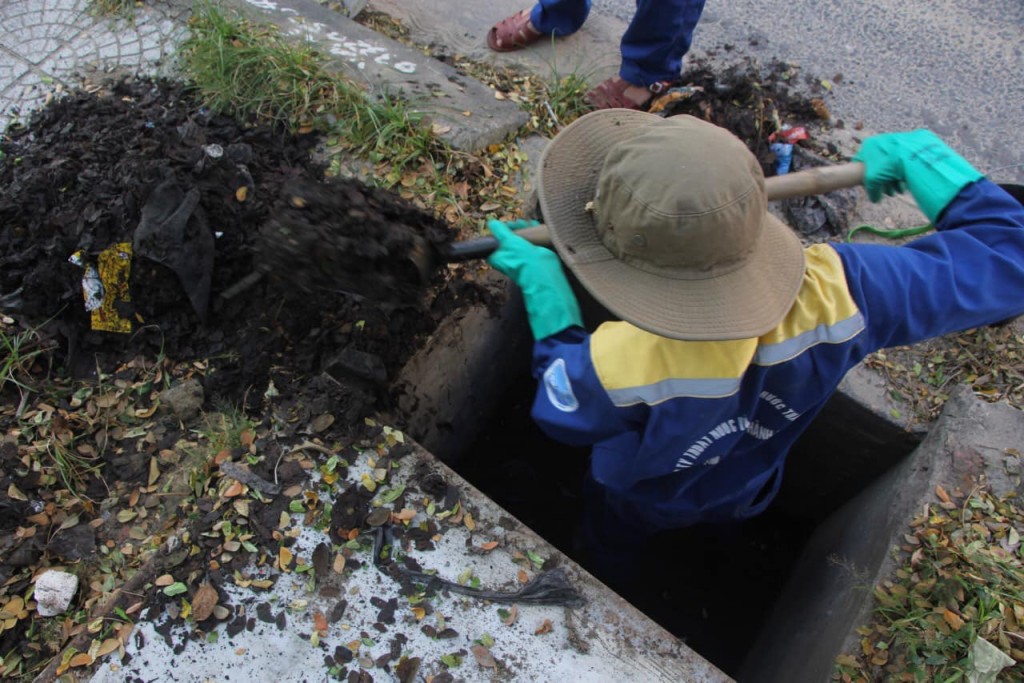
(814, 181)
(397, 262)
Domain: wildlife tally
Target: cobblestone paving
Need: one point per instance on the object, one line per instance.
(48, 46)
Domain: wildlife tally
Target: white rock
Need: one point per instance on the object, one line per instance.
(54, 591)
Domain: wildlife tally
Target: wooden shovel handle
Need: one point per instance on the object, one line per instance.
(812, 181)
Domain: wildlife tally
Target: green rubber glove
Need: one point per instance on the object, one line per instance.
(550, 304)
(918, 161)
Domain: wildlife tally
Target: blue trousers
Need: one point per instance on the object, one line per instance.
(617, 538)
(653, 46)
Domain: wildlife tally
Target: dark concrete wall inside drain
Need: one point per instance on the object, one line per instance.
(467, 399)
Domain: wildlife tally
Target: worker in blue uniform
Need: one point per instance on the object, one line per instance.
(730, 336)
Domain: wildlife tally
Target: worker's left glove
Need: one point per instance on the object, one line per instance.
(550, 304)
(918, 161)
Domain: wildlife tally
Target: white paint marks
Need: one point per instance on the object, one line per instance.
(354, 51)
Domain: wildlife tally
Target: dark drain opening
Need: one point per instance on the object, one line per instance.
(469, 403)
(712, 586)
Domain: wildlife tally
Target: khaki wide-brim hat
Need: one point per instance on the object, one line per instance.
(670, 296)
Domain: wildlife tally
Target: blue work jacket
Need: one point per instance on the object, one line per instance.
(698, 431)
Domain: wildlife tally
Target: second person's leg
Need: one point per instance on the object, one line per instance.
(559, 17)
(658, 37)
(652, 49)
(546, 18)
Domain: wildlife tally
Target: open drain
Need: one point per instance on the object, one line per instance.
(712, 586)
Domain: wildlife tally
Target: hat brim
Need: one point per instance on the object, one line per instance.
(744, 303)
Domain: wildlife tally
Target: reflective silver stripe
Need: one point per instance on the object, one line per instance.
(822, 334)
(674, 388)
(668, 389)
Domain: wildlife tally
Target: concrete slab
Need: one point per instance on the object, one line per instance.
(605, 639)
(828, 595)
(469, 111)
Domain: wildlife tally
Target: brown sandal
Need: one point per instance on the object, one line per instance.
(513, 33)
(611, 94)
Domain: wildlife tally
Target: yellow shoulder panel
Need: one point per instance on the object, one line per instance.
(635, 366)
(626, 356)
(824, 297)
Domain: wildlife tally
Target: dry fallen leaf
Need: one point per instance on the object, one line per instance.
(284, 558)
(40, 518)
(204, 601)
(820, 108)
(484, 657)
(81, 659)
(405, 515)
(107, 646)
(320, 623)
(321, 422)
(165, 580)
(510, 618)
(545, 627)
(235, 489)
(490, 545)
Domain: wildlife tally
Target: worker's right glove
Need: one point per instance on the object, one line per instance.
(918, 161)
(550, 304)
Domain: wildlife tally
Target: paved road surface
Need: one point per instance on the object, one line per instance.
(954, 67)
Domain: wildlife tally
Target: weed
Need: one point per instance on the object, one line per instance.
(564, 98)
(225, 429)
(386, 132)
(552, 102)
(960, 579)
(19, 352)
(250, 71)
(72, 467)
(121, 9)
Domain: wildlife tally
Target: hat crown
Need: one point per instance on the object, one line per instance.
(684, 201)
